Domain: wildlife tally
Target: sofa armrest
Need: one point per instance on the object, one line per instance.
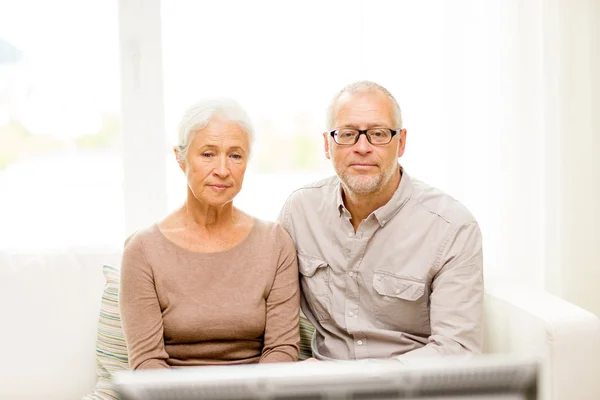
(565, 337)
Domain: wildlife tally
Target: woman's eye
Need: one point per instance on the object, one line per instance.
(207, 155)
(236, 156)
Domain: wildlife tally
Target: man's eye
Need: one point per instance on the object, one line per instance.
(236, 156)
(380, 133)
(207, 155)
(346, 134)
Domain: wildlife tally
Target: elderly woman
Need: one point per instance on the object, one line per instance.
(209, 284)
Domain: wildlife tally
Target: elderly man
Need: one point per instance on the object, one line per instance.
(389, 266)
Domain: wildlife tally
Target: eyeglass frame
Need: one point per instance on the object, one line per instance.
(334, 133)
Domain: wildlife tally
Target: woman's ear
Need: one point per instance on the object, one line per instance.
(179, 158)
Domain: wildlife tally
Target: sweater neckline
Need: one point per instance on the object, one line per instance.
(241, 244)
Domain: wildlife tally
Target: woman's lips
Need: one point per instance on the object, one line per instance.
(218, 187)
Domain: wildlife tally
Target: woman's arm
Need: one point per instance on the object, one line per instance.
(283, 306)
(141, 315)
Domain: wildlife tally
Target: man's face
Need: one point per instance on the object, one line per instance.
(364, 168)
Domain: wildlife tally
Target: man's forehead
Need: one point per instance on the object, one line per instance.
(365, 103)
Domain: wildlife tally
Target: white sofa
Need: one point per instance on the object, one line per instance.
(50, 307)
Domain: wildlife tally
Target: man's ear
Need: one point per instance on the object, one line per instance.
(402, 142)
(326, 143)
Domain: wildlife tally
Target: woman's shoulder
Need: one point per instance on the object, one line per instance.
(135, 254)
(272, 231)
(139, 238)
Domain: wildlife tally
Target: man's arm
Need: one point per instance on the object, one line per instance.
(284, 218)
(306, 326)
(456, 300)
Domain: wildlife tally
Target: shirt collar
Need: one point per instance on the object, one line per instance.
(386, 212)
(339, 199)
(398, 200)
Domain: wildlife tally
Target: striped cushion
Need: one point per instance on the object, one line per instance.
(111, 350)
(306, 332)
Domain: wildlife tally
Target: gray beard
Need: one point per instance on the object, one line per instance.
(362, 184)
(366, 184)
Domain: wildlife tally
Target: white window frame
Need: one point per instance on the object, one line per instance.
(143, 115)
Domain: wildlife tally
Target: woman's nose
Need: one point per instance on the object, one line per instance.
(222, 169)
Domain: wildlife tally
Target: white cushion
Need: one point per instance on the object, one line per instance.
(50, 314)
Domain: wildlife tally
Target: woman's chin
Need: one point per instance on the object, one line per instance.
(218, 201)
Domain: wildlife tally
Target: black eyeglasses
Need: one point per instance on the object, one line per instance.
(376, 136)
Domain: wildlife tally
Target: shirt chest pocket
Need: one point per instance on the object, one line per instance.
(400, 303)
(315, 285)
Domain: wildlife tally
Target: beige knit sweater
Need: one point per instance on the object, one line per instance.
(182, 308)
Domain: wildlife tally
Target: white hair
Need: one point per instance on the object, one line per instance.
(363, 86)
(199, 115)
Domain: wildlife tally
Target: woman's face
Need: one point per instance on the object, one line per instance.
(216, 162)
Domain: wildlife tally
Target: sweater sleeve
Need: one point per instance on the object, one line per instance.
(283, 306)
(141, 315)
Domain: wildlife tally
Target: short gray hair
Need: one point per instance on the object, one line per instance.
(363, 86)
(199, 115)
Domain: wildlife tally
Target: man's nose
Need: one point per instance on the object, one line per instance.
(363, 145)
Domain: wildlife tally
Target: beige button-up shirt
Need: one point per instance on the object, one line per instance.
(408, 283)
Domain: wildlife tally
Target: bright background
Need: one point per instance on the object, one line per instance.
(501, 99)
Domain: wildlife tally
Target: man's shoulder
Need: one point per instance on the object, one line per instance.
(316, 191)
(439, 203)
(268, 234)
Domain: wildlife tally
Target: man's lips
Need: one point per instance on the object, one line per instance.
(362, 165)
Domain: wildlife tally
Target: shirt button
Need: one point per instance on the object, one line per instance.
(397, 291)
(360, 342)
(351, 314)
(351, 274)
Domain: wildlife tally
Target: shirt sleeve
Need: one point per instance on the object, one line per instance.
(456, 300)
(141, 315)
(282, 332)
(284, 216)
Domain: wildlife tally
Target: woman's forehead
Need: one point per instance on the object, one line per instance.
(220, 132)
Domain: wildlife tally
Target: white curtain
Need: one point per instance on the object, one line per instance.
(571, 125)
(502, 105)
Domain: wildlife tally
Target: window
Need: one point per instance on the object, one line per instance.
(60, 141)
